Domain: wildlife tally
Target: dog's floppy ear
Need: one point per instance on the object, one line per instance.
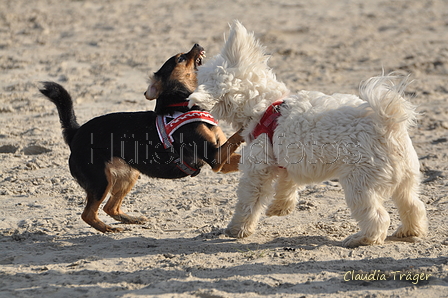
(242, 48)
(154, 88)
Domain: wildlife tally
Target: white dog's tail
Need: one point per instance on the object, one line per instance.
(385, 95)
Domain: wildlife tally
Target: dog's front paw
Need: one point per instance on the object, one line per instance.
(109, 229)
(134, 219)
(236, 232)
(275, 210)
(128, 219)
(360, 239)
(402, 232)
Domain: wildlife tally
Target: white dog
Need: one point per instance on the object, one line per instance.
(309, 137)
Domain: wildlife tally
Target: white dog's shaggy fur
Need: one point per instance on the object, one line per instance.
(361, 141)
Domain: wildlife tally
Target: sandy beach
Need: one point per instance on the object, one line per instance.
(103, 53)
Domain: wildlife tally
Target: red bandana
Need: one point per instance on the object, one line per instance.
(268, 122)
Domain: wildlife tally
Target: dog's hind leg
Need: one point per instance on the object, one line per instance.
(122, 178)
(92, 178)
(365, 200)
(411, 209)
(285, 196)
(254, 191)
(90, 214)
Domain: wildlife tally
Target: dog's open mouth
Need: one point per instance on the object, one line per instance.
(198, 61)
(196, 54)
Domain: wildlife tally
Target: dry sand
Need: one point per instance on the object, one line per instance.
(103, 52)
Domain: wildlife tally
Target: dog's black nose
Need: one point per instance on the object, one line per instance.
(196, 45)
(144, 93)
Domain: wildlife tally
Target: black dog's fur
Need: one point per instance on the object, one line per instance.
(109, 152)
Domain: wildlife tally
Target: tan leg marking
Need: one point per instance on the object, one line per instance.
(90, 214)
(122, 178)
(227, 160)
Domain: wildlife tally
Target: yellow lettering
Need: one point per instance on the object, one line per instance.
(371, 276)
(415, 279)
(348, 273)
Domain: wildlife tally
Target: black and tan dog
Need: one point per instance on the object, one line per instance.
(109, 152)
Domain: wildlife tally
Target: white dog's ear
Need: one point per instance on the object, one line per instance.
(242, 48)
(201, 98)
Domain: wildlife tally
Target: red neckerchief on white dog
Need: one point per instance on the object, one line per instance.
(268, 122)
(167, 124)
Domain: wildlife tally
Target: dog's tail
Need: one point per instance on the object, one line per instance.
(385, 95)
(60, 97)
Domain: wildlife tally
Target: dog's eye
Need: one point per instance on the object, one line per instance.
(181, 59)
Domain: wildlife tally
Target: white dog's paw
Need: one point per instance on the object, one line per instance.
(360, 239)
(275, 210)
(402, 232)
(238, 232)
